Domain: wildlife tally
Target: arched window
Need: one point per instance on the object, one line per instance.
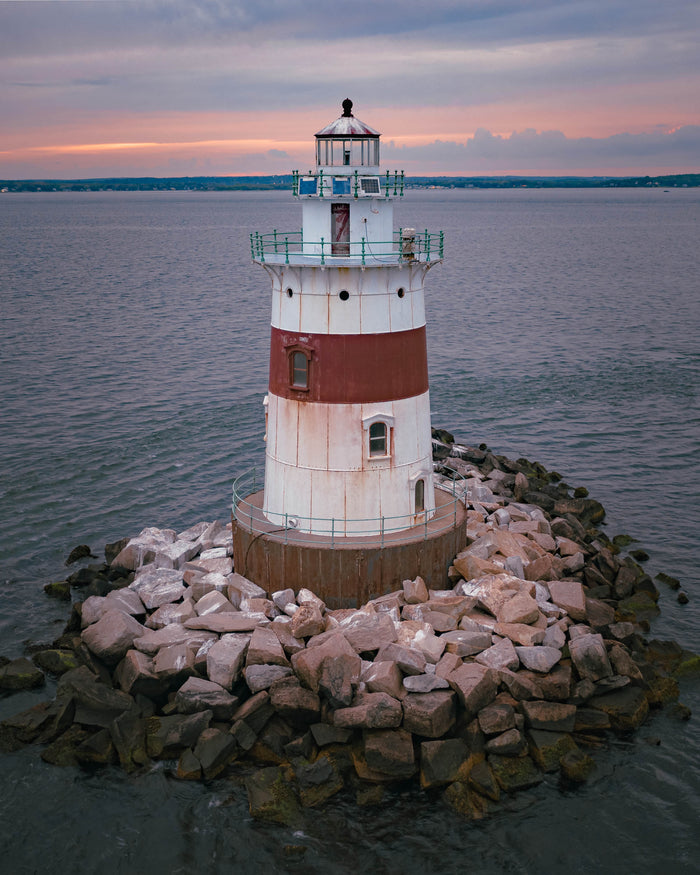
(419, 496)
(299, 370)
(378, 439)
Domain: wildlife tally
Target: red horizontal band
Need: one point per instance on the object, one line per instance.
(351, 368)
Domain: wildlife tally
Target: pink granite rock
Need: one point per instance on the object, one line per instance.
(569, 594)
(431, 715)
(500, 655)
(415, 591)
(370, 711)
(307, 621)
(265, 648)
(112, 635)
(476, 685)
(384, 677)
(308, 663)
(225, 659)
(522, 608)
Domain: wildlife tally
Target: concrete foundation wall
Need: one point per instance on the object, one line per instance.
(346, 576)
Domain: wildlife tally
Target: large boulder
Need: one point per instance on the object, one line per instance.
(199, 694)
(551, 716)
(265, 648)
(261, 677)
(368, 632)
(442, 761)
(112, 635)
(431, 715)
(136, 675)
(214, 751)
(538, 658)
(370, 711)
(521, 608)
(308, 663)
(96, 704)
(627, 708)
(295, 703)
(569, 595)
(384, 677)
(167, 737)
(547, 748)
(158, 586)
(390, 751)
(590, 657)
(225, 659)
(500, 655)
(476, 685)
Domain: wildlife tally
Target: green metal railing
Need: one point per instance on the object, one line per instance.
(287, 526)
(392, 184)
(405, 246)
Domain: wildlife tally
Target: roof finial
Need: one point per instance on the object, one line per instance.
(347, 108)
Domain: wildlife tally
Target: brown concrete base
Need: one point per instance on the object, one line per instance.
(347, 572)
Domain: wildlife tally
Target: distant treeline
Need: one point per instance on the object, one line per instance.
(262, 183)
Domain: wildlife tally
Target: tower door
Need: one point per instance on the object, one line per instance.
(340, 229)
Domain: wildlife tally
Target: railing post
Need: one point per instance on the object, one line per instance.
(323, 255)
(320, 183)
(363, 250)
(386, 185)
(400, 245)
(401, 191)
(356, 185)
(442, 235)
(274, 234)
(286, 250)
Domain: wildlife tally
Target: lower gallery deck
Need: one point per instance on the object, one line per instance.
(347, 571)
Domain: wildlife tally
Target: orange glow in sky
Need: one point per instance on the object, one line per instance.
(164, 89)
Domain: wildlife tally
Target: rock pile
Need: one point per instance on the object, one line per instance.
(529, 659)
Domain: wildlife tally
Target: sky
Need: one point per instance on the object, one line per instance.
(99, 88)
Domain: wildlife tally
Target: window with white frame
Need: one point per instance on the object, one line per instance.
(378, 435)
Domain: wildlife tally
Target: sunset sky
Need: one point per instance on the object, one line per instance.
(94, 88)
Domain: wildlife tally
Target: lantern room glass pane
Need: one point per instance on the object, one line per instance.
(352, 151)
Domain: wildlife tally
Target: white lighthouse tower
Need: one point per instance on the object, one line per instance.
(348, 437)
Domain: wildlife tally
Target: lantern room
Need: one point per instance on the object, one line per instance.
(347, 143)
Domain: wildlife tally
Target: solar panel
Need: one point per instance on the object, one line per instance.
(370, 184)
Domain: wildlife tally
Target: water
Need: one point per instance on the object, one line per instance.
(563, 326)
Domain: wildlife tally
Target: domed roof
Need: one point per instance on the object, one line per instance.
(347, 125)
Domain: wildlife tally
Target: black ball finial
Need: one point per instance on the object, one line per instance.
(347, 108)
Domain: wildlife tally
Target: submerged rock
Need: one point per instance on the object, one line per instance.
(20, 674)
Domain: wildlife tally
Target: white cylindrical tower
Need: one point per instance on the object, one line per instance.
(349, 447)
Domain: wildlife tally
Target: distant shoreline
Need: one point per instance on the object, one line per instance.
(282, 183)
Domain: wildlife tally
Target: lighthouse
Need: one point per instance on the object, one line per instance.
(348, 480)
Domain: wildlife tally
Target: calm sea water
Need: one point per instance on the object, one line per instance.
(563, 326)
